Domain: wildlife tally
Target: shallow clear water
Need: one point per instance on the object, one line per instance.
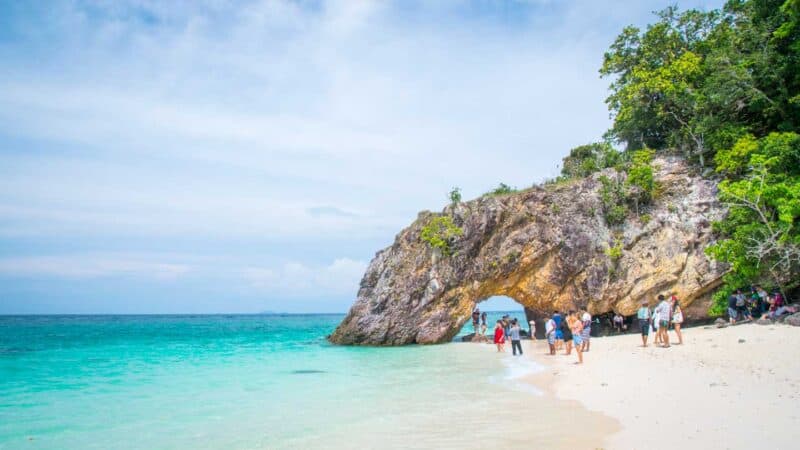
(240, 382)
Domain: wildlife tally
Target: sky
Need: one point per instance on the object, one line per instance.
(237, 156)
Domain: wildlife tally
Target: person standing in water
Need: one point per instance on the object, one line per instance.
(499, 336)
(514, 333)
(476, 319)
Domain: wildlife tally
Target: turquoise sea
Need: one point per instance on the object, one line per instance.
(244, 382)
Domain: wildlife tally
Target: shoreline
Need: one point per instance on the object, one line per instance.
(733, 387)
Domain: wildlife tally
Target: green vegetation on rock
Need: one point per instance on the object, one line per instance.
(588, 159)
(440, 232)
(501, 189)
(455, 196)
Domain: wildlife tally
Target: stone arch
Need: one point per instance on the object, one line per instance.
(545, 247)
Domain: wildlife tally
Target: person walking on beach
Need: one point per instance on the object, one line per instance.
(514, 332)
(644, 316)
(664, 314)
(499, 336)
(677, 318)
(576, 328)
(557, 318)
(550, 334)
(532, 328)
(476, 320)
(586, 333)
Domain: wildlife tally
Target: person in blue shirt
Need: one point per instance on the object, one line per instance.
(558, 318)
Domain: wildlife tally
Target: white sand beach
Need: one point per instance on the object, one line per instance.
(728, 388)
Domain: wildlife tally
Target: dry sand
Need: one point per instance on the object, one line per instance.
(731, 388)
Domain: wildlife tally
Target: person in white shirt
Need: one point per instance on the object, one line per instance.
(550, 334)
(664, 310)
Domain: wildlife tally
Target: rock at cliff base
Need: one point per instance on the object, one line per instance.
(793, 320)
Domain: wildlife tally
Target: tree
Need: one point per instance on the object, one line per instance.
(722, 85)
(588, 159)
(455, 196)
(762, 242)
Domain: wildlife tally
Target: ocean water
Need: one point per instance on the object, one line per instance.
(247, 382)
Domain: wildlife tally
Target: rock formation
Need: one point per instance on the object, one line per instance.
(547, 248)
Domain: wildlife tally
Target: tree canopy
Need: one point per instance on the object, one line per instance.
(722, 88)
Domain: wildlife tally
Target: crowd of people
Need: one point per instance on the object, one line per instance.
(573, 330)
(657, 321)
(568, 331)
(508, 329)
(759, 303)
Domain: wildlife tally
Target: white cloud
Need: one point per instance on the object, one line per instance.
(293, 279)
(91, 266)
(213, 125)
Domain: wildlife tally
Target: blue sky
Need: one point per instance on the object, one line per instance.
(243, 156)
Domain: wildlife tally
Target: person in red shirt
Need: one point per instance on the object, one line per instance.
(499, 336)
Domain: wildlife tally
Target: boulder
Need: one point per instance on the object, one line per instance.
(793, 320)
(547, 247)
(474, 338)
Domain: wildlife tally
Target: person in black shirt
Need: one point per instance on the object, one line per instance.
(567, 333)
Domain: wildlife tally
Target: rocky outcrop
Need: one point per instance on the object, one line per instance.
(546, 247)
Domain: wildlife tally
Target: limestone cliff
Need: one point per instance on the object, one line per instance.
(546, 248)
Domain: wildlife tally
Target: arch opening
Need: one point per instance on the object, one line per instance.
(495, 308)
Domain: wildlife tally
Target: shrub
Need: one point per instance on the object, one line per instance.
(455, 196)
(501, 189)
(612, 197)
(615, 252)
(440, 232)
(640, 177)
(588, 159)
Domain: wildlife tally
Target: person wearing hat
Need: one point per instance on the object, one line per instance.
(644, 317)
